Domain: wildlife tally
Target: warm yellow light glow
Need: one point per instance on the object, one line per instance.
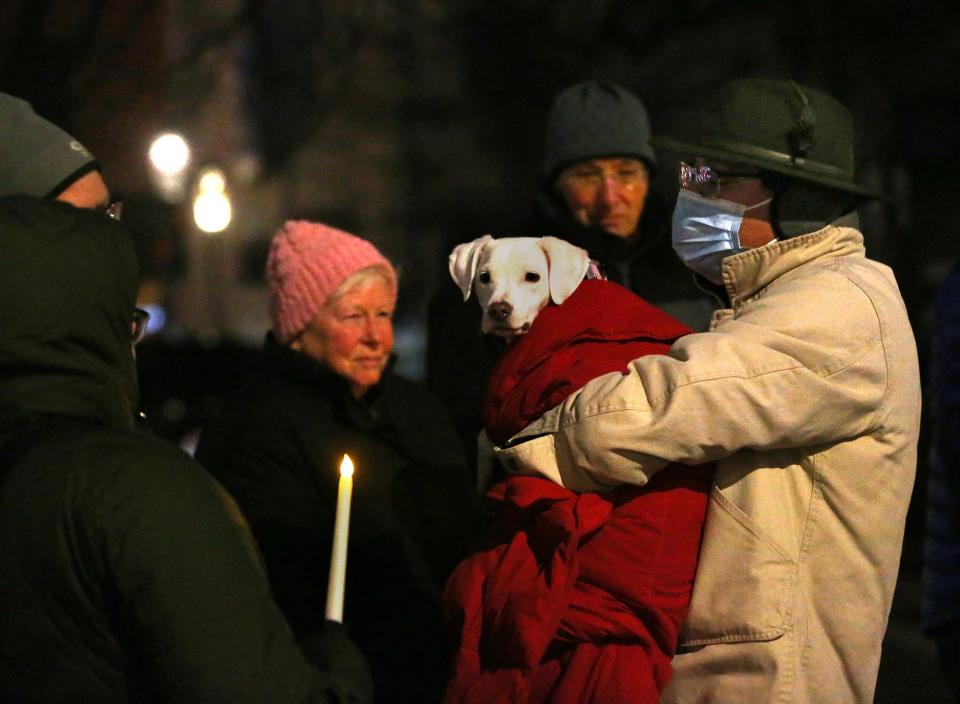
(169, 153)
(212, 210)
(346, 466)
(212, 181)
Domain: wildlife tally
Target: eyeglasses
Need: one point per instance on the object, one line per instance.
(138, 325)
(592, 177)
(706, 180)
(113, 209)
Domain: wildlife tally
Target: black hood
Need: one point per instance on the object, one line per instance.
(68, 282)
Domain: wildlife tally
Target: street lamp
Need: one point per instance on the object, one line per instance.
(212, 210)
(169, 155)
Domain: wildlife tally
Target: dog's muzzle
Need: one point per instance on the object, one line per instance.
(500, 311)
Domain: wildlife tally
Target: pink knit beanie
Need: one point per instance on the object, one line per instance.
(308, 261)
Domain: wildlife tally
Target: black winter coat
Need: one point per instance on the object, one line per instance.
(126, 574)
(277, 448)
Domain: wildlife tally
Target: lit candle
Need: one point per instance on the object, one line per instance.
(338, 556)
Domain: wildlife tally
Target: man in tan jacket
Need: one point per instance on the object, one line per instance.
(805, 391)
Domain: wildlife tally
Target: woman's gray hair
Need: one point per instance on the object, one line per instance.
(362, 276)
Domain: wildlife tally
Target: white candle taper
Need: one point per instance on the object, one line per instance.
(338, 556)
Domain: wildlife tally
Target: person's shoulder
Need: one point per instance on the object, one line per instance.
(266, 416)
(869, 285)
(121, 465)
(402, 387)
(28, 213)
(412, 399)
(415, 410)
(20, 204)
(848, 306)
(272, 396)
(133, 455)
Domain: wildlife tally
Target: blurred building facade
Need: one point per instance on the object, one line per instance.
(416, 123)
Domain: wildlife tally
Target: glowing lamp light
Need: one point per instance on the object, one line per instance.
(212, 181)
(169, 153)
(212, 210)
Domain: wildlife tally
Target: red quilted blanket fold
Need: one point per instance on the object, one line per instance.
(576, 597)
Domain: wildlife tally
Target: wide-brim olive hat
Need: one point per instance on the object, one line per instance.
(778, 126)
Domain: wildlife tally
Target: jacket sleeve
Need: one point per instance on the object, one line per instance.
(260, 454)
(777, 375)
(192, 597)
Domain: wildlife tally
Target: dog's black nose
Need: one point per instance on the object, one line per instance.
(500, 311)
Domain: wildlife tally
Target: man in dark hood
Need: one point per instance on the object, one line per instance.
(126, 572)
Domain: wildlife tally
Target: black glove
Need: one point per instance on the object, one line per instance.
(332, 650)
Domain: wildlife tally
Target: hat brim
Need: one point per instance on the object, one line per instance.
(769, 160)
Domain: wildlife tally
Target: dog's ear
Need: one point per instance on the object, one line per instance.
(568, 265)
(463, 263)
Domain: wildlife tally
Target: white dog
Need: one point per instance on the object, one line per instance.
(515, 277)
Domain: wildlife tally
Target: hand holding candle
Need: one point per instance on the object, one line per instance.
(338, 556)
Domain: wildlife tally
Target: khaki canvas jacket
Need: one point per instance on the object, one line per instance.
(806, 392)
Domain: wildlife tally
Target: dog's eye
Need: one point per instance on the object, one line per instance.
(484, 277)
(532, 277)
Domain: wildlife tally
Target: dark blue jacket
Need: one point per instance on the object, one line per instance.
(941, 609)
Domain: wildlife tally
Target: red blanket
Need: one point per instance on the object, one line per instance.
(576, 598)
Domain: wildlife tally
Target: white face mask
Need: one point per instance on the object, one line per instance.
(707, 230)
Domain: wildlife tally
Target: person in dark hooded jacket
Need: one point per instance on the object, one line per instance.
(126, 573)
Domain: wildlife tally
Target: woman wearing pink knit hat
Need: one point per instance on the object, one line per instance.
(332, 297)
(326, 389)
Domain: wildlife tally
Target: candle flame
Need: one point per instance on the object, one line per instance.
(346, 466)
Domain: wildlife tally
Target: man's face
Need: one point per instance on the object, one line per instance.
(740, 184)
(88, 191)
(606, 193)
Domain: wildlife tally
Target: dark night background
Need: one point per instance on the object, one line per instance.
(416, 123)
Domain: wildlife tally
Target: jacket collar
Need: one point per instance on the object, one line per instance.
(550, 216)
(303, 370)
(747, 273)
